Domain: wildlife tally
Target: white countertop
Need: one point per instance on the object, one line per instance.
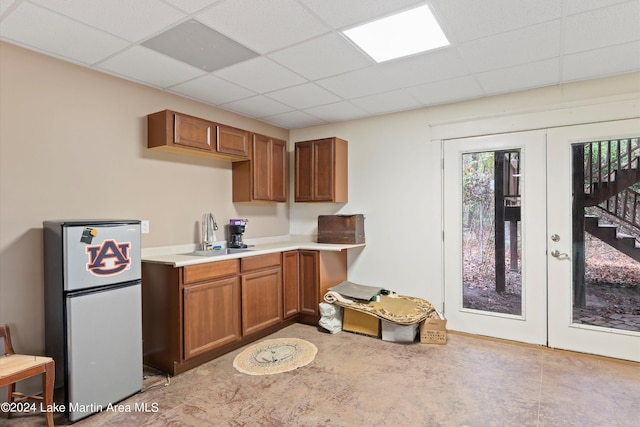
(178, 256)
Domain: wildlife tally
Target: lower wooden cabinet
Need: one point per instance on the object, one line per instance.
(211, 315)
(261, 283)
(318, 271)
(196, 313)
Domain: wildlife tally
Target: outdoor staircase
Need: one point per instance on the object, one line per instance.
(624, 243)
(617, 181)
(607, 188)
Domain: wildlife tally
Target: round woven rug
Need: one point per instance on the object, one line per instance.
(275, 356)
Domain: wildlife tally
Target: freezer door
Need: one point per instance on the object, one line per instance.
(104, 348)
(96, 255)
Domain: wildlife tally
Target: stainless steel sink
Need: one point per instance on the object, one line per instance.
(218, 252)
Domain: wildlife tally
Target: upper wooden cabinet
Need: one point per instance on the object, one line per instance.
(321, 170)
(264, 177)
(232, 141)
(173, 131)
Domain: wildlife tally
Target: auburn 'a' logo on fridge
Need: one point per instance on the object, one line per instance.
(109, 258)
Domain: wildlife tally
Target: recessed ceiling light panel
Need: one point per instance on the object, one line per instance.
(399, 35)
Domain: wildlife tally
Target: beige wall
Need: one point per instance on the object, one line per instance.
(395, 176)
(73, 145)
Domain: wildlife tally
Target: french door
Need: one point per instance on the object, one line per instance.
(496, 288)
(566, 330)
(509, 221)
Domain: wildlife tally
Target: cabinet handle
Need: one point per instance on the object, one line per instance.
(209, 135)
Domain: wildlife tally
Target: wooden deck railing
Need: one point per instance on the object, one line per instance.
(612, 167)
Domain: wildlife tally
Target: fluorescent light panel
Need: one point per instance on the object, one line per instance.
(399, 35)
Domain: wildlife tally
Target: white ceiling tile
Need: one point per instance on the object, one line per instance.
(339, 111)
(387, 102)
(294, 120)
(190, 6)
(131, 20)
(603, 27)
(457, 89)
(260, 75)
(257, 106)
(521, 77)
(140, 63)
(432, 66)
(340, 13)
(212, 90)
(465, 20)
(57, 35)
(516, 47)
(263, 26)
(579, 6)
(426, 67)
(5, 4)
(304, 96)
(324, 56)
(619, 59)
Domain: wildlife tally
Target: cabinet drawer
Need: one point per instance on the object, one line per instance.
(211, 270)
(260, 261)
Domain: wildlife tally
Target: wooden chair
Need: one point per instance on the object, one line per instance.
(17, 367)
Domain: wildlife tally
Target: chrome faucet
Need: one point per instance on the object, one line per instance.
(209, 227)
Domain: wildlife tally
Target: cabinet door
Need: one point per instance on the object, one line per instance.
(261, 300)
(269, 169)
(192, 132)
(261, 167)
(290, 286)
(304, 180)
(232, 141)
(278, 170)
(309, 282)
(211, 315)
(323, 170)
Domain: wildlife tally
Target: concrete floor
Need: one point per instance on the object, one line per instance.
(357, 380)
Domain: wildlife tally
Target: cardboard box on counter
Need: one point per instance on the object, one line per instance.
(360, 323)
(434, 331)
(341, 229)
(399, 333)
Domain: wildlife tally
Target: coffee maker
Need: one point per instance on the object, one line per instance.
(236, 230)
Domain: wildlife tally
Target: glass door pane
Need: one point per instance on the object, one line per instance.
(606, 223)
(491, 206)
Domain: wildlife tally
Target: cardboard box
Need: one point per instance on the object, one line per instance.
(434, 331)
(343, 229)
(399, 333)
(360, 323)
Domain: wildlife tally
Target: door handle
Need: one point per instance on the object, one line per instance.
(559, 255)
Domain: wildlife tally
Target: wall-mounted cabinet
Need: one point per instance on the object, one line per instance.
(321, 170)
(172, 131)
(264, 177)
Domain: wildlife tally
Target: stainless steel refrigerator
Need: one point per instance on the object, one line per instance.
(93, 311)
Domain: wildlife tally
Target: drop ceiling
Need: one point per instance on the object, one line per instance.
(286, 62)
